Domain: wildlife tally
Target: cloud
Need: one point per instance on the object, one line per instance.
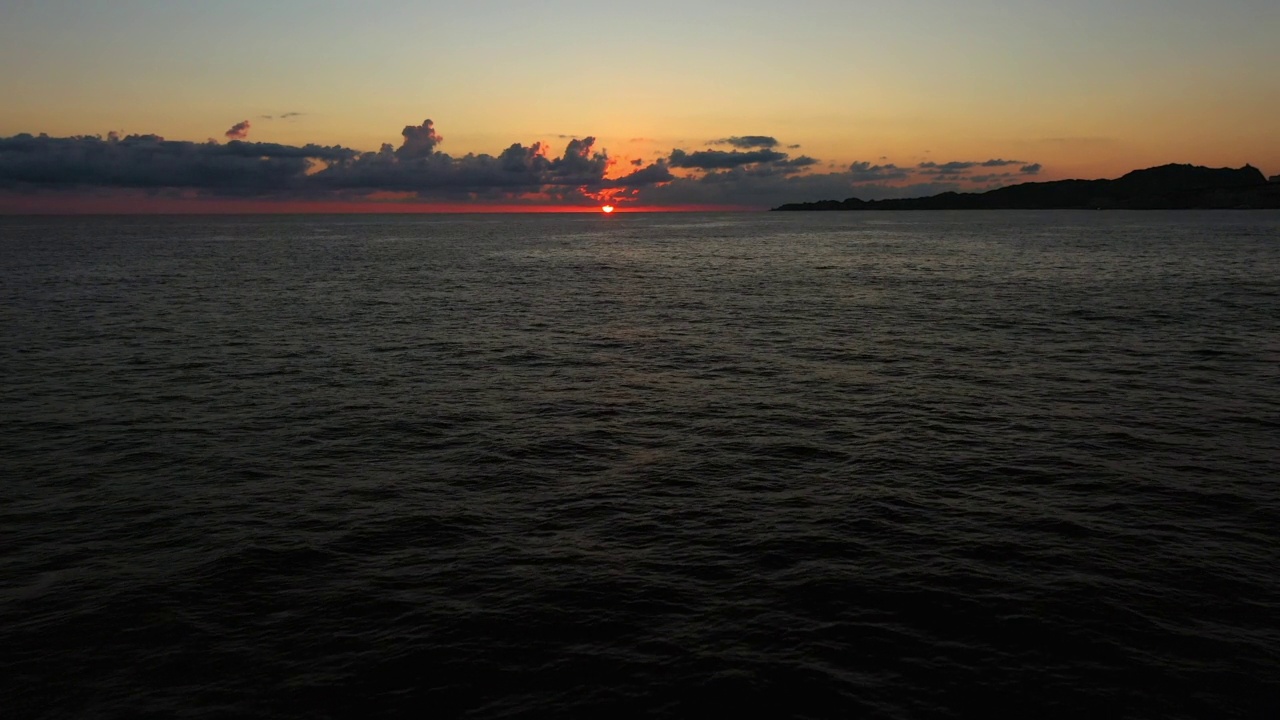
(651, 175)
(721, 159)
(803, 161)
(150, 162)
(579, 173)
(957, 167)
(275, 150)
(239, 131)
(770, 181)
(741, 187)
(419, 140)
(862, 172)
(947, 168)
(518, 169)
(746, 142)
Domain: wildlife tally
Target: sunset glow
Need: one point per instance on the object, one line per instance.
(94, 114)
(931, 358)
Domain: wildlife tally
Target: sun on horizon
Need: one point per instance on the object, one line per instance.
(606, 209)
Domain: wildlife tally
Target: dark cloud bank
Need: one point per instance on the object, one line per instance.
(752, 173)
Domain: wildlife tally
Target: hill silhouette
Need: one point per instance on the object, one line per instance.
(1168, 187)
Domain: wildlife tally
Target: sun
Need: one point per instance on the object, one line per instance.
(606, 209)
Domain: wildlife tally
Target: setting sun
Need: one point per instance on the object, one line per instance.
(606, 208)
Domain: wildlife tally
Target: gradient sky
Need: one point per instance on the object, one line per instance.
(1089, 88)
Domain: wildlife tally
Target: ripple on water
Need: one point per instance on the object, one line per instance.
(807, 465)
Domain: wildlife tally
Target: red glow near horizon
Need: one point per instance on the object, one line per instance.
(12, 204)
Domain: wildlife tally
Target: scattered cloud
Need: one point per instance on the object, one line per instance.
(652, 175)
(517, 170)
(239, 131)
(800, 162)
(741, 187)
(150, 162)
(959, 166)
(865, 172)
(419, 140)
(753, 173)
(746, 142)
(946, 168)
(721, 159)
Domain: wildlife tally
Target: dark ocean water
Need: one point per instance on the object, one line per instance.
(815, 465)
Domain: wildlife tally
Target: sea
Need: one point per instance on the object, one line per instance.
(811, 465)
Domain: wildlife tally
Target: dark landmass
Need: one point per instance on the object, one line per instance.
(1168, 187)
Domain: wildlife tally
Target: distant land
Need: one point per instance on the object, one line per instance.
(1168, 187)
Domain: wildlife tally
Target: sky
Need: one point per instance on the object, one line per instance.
(314, 105)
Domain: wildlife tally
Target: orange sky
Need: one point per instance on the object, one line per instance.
(1086, 89)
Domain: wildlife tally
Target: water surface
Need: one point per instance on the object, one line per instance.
(828, 465)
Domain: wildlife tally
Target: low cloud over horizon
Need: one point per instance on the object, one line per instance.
(752, 173)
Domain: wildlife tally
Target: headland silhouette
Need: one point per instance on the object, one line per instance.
(1168, 187)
